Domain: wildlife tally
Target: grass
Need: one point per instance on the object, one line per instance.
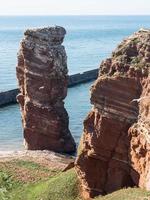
(17, 175)
(28, 164)
(127, 194)
(56, 186)
(27, 171)
(63, 186)
(7, 184)
(27, 180)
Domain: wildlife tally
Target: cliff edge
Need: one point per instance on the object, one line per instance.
(114, 151)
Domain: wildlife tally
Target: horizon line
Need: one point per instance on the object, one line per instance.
(49, 15)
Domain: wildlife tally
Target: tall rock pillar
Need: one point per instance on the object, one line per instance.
(43, 78)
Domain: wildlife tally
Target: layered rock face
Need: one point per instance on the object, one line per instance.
(113, 152)
(43, 78)
(140, 140)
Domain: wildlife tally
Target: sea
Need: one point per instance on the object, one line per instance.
(88, 41)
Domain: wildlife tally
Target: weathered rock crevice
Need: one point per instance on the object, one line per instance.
(43, 79)
(108, 158)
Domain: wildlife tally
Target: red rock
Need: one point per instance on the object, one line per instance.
(113, 152)
(43, 79)
(139, 151)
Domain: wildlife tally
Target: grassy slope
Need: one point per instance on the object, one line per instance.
(56, 186)
(60, 187)
(25, 180)
(127, 194)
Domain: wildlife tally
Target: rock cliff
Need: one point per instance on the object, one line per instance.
(114, 150)
(140, 140)
(43, 78)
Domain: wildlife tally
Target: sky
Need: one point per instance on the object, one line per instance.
(74, 7)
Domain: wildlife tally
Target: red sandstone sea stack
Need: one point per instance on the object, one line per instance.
(43, 78)
(114, 151)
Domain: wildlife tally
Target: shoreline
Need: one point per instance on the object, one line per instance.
(34, 153)
(45, 157)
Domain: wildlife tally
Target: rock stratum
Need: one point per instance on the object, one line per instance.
(43, 79)
(114, 151)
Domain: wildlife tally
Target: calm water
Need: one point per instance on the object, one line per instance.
(88, 41)
(77, 105)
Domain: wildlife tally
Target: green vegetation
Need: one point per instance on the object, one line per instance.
(7, 184)
(18, 175)
(27, 180)
(61, 187)
(64, 186)
(127, 194)
(30, 165)
(56, 186)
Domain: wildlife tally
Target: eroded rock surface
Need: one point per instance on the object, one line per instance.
(113, 152)
(43, 78)
(140, 140)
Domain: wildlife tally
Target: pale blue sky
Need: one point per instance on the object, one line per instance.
(74, 7)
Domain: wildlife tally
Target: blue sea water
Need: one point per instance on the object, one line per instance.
(89, 40)
(77, 104)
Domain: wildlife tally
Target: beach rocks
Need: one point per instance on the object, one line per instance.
(113, 152)
(43, 79)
